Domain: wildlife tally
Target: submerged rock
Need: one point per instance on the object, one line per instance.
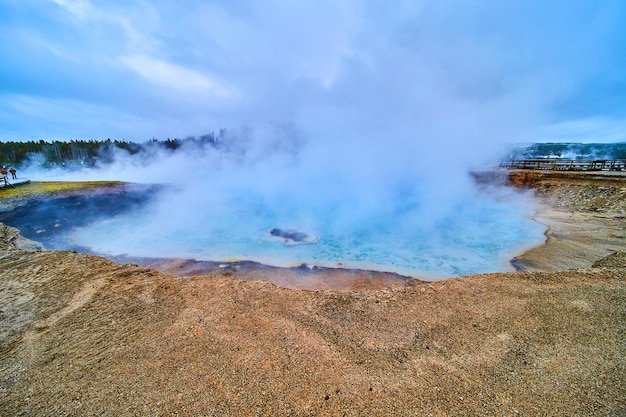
(293, 236)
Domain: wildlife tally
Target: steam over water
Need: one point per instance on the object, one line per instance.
(377, 208)
(352, 121)
(479, 236)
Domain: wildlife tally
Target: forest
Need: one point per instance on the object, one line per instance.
(589, 151)
(87, 152)
(90, 152)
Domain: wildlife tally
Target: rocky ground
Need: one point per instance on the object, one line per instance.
(81, 335)
(585, 213)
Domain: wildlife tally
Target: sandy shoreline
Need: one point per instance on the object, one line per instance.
(574, 238)
(585, 216)
(578, 234)
(303, 277)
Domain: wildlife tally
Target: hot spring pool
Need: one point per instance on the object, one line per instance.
(479, 236)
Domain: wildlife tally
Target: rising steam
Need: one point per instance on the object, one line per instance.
(353, 122)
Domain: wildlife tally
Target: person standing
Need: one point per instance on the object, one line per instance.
(4, 173)
(13, 172)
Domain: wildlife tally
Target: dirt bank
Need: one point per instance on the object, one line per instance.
(585, 213)
(81, 335)
(298, 277)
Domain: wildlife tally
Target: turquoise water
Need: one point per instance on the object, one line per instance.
(477, 236)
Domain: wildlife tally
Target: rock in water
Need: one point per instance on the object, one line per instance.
(293, 236)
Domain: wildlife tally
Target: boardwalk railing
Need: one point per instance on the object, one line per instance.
(566, 164)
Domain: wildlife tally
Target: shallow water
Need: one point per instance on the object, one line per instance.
(51, 220)
(477, 237)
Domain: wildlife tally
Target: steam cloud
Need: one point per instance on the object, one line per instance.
(346, 119)
(381, 206)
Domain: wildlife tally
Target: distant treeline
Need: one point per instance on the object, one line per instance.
(88, 152)
(590, 151)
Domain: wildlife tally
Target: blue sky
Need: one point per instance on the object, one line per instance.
(484, 71)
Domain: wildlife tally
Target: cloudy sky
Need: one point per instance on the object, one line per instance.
(492, 70)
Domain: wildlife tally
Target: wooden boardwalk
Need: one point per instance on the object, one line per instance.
(566, 164)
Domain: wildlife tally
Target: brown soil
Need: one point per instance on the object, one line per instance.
(81, 335)
(301, 277)
(585, 214)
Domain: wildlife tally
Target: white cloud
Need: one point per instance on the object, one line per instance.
(417, 67)
(174, 76)
(79, 8)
